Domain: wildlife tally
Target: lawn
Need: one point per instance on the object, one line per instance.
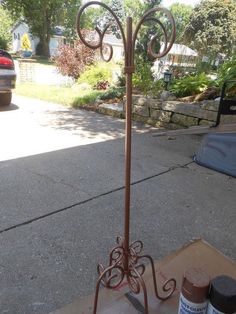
(69, 96)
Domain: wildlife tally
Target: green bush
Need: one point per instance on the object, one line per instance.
(3, 43)
(190, 85)
(121, 80)
(86, 99)
(5, 28)
(205, 67)
(142, 78)
(227, 71)
(95, 74)
(113, 92)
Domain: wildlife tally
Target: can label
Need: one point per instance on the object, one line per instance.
(187, 307)
(212, 310)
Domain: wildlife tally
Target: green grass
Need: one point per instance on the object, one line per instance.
(68, 96)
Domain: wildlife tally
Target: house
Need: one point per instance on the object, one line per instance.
(109, 39)
(22, 28)
(117, 45)
(178, 56)
(181, 55)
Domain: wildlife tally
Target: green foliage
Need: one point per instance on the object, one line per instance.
(113, 92)
(181, 13)
(95, 74)
(227, 71)
(134, 9)
(190, 85)
(142, 78)
(205, 67)
(157, 87)
(66, 17)
(90, 20)
(212, 27)
(5, 27)
(3, 43)
(25, 42)
(121, 80)
(69, 96)
(86, 99)
(106, 18)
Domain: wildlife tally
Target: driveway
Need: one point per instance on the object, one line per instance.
(62, 196)
(31, 126)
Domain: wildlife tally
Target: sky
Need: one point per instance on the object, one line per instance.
(168, 3)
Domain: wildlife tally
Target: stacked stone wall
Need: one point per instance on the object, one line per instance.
(175, 114)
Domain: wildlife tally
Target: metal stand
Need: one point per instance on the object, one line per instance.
(124, 259)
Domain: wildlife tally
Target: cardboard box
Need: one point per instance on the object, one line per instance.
(121, 301)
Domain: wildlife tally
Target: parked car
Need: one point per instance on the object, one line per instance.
(7, 78)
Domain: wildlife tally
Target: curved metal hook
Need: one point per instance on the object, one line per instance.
(167, 46)
(100, 34)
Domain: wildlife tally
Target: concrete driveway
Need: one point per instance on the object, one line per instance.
(61, 206)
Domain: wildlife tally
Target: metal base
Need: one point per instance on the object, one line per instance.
(113, 275)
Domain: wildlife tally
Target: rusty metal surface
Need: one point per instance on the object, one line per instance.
(124, 259)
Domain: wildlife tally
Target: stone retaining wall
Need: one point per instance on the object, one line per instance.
(26, 70)
(175, 114)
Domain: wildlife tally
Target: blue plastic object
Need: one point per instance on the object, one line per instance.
(218, 152)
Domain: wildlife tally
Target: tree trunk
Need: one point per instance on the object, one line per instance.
(45, 38)
(45, 47)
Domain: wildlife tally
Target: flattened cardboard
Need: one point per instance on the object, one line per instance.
(196, 254)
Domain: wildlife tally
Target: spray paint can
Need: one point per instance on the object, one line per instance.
(222, 296)
(194, 292)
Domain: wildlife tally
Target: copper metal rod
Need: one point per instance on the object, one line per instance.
(128, 127)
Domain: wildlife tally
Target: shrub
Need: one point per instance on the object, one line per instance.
(113, 92)
(96, 74)
(121, 80)
(142, 78)
(72, 60)
(5, 27)
(227, 71)
(102, 85)
(3, 43)
(190, 85)
(86, 99)
(25, 42)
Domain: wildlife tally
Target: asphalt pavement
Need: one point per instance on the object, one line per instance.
(62, 200)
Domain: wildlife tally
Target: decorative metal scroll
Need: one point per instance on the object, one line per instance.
(147, 17)
(125, 260)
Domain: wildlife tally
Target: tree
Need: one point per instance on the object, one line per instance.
(5, 27)
(181, 13)
(146, 33)
(212, 27)
(66, 17)
(41, 16)
(135, 9)
(106, 18)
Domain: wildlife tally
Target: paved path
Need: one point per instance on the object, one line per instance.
(62, 203)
